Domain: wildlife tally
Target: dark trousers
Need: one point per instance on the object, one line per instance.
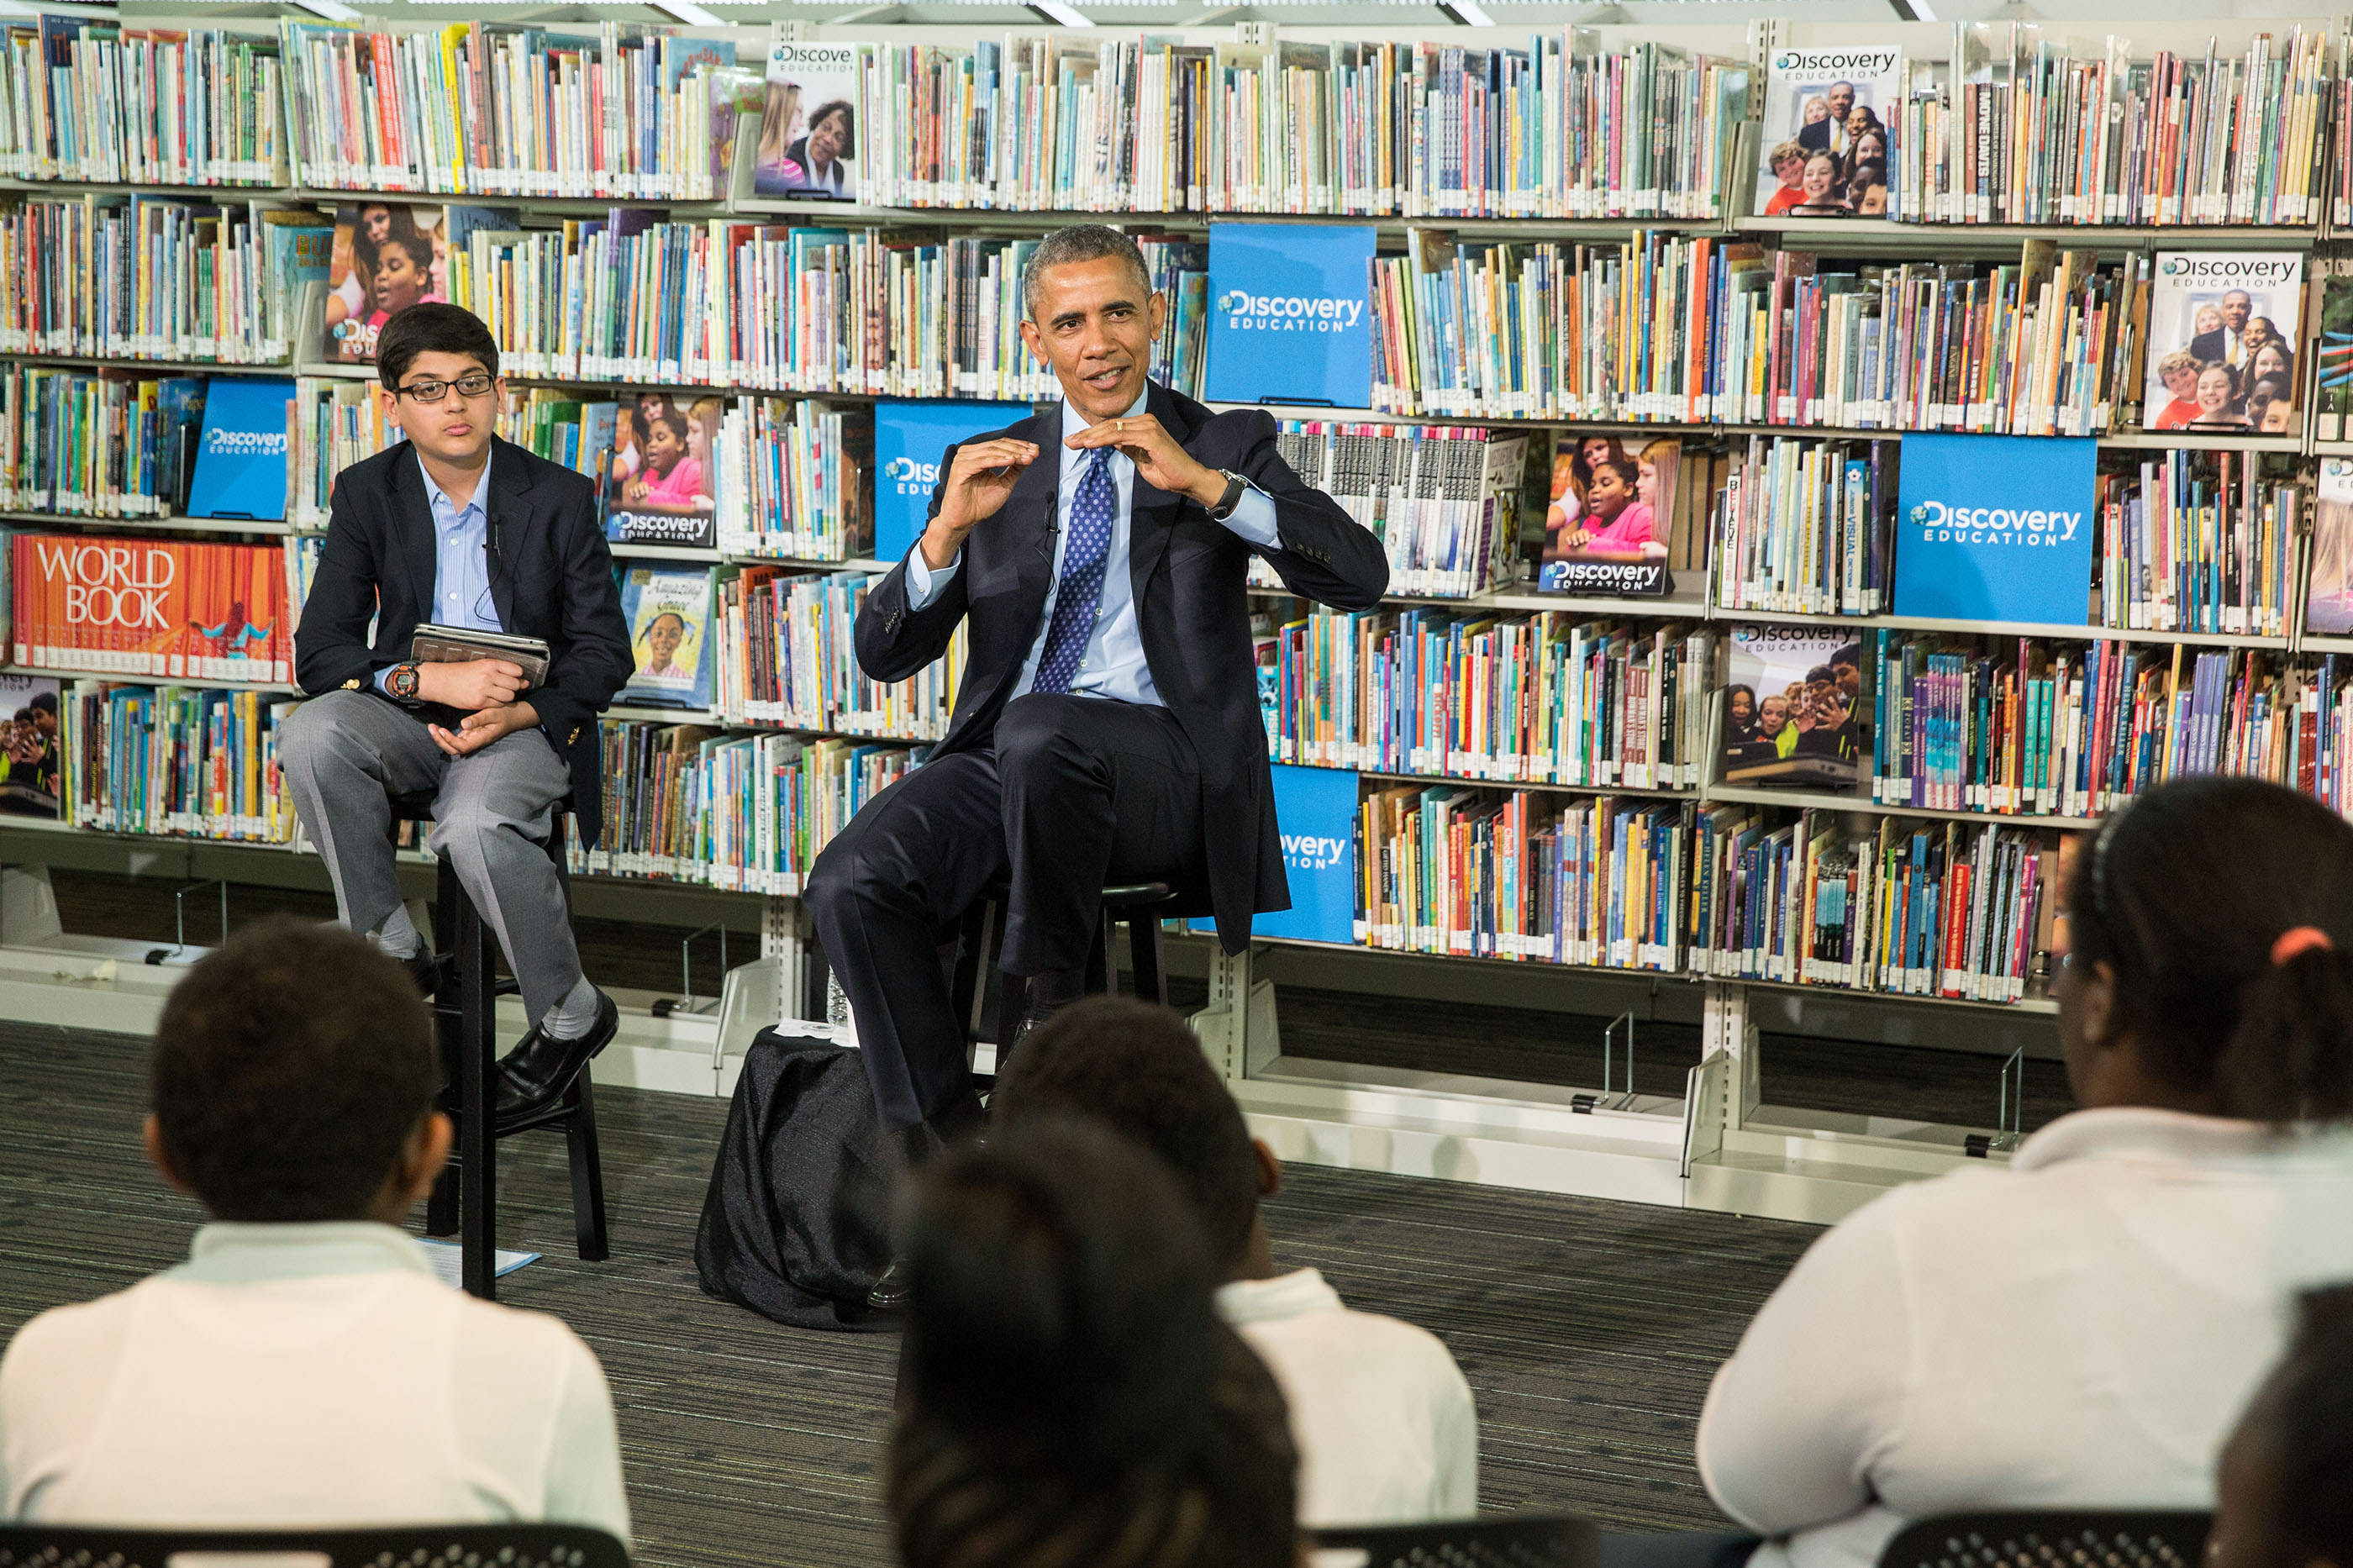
(1077, 792)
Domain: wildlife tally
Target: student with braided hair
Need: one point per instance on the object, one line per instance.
(1071, 1398)
(2081, 1327)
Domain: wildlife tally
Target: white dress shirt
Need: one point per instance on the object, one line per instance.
(2078, 1331)
(461, 564)
(1384, 1422)
(304, 1374)
(1113, 664)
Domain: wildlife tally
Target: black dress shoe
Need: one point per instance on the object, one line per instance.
(889, 1293)
(541, 1069)
(430, 970)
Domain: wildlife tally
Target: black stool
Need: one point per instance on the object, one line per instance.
(465, 1197)
(1140, 905)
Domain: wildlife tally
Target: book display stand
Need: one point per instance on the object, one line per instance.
(1735, 282)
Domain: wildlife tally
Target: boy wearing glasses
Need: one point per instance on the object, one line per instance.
(456, 527)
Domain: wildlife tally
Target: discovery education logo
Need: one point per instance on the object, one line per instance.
(1941, 523)
(2229, 270)
(1289, 313)
(911, 478)
(1994, 528)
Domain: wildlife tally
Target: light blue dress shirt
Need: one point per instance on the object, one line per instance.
(461, 570)
(1114, 665)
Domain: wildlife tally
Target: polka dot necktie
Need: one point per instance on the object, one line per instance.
(1092, 506)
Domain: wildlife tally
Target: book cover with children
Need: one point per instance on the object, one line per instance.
(1790, 709)
(661, 479)
(808, 122)
(387, 256)
(29, 745)
(1608, 513)
(1826, 143)
(2223, 338)
(668, 611)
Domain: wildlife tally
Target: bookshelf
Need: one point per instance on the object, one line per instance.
(1311, 1108)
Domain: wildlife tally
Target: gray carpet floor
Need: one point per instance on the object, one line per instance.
(1588, 1329)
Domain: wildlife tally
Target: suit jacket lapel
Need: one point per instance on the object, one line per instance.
(413, 517)
(510, 516)
(1152, 515)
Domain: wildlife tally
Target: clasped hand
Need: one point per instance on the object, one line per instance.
(981, 478)
(490, 690)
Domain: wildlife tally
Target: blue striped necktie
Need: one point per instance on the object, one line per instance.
(1091, 508)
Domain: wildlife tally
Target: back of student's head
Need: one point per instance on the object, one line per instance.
(2225, 909)
(1072, 1397)
(1139, 1068)
(291, 1067)
(2283, 1489)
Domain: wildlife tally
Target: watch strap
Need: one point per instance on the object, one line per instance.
(1235, 486)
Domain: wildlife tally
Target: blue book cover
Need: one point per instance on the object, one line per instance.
(241, 457)
(909, 439)
(1995, 527)
(1315, 811)
(1289, 318)
(668, 613)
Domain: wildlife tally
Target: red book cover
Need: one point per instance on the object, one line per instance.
(145, 606)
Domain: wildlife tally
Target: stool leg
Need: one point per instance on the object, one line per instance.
(1100, 974)
(477, 1134)
(1144, 956)
(441, 1212)
(964, 987)
(587, 1172)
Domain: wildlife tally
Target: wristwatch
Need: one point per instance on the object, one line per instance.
(400, 683)
(1235, 486)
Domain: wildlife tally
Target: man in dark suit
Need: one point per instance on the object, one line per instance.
(2223, 343)
(1828, 134)
(456, 527)
(1107, 725)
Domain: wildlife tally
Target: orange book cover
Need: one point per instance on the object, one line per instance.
(144, 606)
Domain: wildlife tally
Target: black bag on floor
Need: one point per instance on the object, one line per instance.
(796, 1224)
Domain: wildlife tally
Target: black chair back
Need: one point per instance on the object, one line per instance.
(2053, 1538)
(409, 1546)
(1505, 1541)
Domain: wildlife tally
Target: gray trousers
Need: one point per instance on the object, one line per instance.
(346, 754)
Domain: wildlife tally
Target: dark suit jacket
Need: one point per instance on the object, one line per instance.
(551, 577)
(2208, 347)
(1189, 573)
(1816, 138)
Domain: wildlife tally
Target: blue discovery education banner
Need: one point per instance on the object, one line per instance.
(1316, 809)
(1289, 320)
(1995, 527)
(241, 461)
(908, 441)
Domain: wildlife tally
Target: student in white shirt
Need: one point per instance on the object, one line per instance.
(305, 1366)
(1386, 1430)
(1071, 1399)
(2284, 1492)
(2080, 1329)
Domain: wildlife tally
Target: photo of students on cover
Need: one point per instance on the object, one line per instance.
(1790, 714)
(1826, 147)
(2224, 334)
(808, 124)
(660, 479)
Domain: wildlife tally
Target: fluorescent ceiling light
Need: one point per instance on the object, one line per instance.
(1467, 12)
(1056, 11)
(332, 10)
(688, 12)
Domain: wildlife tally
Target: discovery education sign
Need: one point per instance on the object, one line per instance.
(1995, 527)
(1287, 316)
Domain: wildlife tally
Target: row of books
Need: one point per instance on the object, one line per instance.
(2076, 729)
(1697, 329)
(508, 109)
(788, 657)
(2016, 129)
(1551, 128)
(1807, 527)
(1442, 499)
(749, 813)
(148, 606)
(1921, 908)
(173, 760)
(92, 98)
(1545, 699)
(132, 277)
(85, 445)
(2199, 542)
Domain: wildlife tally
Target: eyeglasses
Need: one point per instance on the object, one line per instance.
(470, 385)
